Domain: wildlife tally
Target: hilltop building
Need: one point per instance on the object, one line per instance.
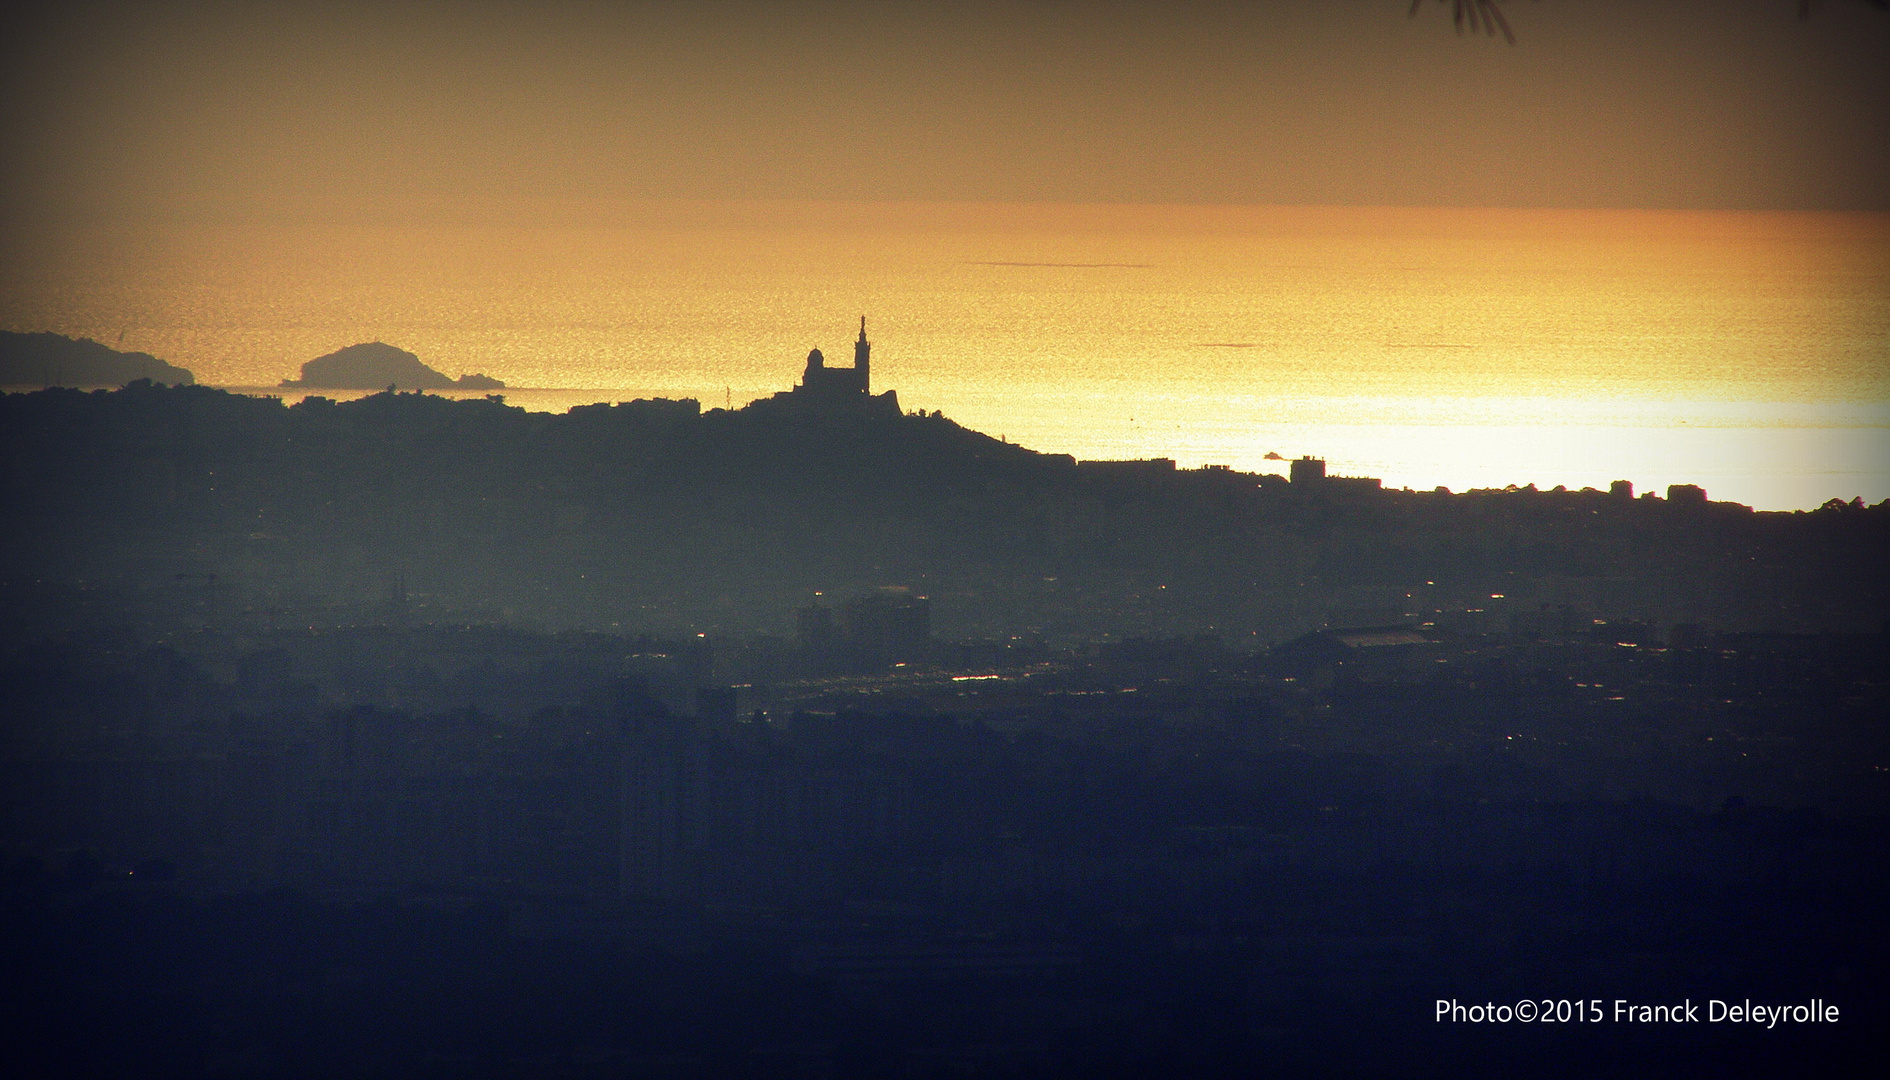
(837, 388)
(1309, 477)
(1308, 470)
(821, 379)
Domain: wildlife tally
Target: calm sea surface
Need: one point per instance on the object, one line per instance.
(1747, 353)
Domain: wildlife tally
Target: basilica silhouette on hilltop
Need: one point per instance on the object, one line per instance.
(834, 388)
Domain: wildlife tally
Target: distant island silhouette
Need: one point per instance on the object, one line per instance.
(47, 359)
(376, 365)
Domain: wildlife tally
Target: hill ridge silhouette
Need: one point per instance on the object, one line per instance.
(656, 514)
(49, 359)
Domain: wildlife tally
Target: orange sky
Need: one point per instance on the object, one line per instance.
(486, 111)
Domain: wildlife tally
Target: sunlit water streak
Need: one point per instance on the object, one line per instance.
(1748, 353)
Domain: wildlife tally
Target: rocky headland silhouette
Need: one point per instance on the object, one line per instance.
(47, 359)
(375, 365)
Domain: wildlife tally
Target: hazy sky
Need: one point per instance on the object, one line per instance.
(398, 110)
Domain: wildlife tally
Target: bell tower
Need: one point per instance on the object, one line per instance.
(862, 351)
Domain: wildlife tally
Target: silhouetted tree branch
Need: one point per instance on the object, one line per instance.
(1476, 15)
(1487, 17)
(1805, 6)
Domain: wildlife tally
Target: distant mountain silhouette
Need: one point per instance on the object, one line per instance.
(375, 366)
(47, 359)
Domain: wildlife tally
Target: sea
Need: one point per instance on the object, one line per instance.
(1748, 353)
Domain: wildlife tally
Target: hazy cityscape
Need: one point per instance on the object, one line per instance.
(405, 736)
(965, 540)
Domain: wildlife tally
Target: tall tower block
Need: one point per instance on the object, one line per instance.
(862, 351)
(1308, 471)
